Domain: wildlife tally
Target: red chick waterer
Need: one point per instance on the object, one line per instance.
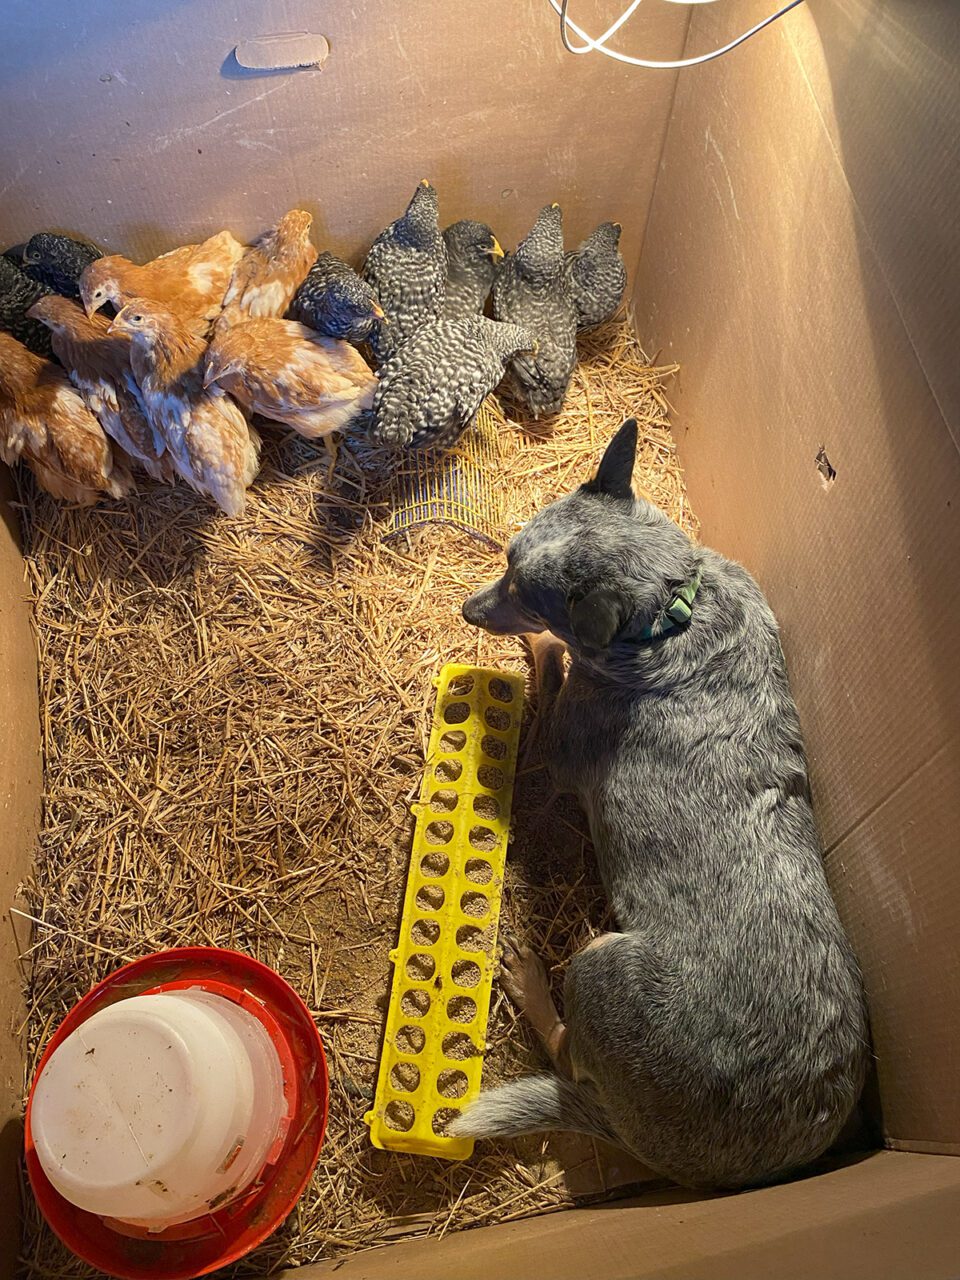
(177, 1114)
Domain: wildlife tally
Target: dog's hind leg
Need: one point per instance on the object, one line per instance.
(524, 978)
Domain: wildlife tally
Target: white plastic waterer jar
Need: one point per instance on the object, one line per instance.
(159, 1108)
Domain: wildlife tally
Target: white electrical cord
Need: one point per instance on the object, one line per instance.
(590, 45)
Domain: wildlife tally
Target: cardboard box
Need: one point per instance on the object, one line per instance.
(801, 260)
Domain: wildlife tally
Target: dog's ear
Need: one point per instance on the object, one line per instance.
(598, 616)
(615, 473)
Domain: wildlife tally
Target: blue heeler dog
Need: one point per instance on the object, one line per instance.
(721, 1034)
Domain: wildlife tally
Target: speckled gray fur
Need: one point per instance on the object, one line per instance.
(430, 391)
(721, 1034)
(531, 289)
(407, 267)
(597, 275)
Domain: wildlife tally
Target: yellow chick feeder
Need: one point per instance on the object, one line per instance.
(445, 957)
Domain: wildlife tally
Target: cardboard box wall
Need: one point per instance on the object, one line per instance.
(800, 260)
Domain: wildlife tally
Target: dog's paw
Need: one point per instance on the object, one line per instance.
(524, 978)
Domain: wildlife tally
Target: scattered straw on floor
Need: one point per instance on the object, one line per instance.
(234, 716)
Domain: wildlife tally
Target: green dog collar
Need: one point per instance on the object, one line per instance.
(677, 613)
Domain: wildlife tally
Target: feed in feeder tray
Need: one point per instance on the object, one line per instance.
(444, 962)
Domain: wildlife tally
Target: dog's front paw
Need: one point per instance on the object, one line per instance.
(524, 978)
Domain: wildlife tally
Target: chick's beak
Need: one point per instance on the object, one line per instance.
(119, 322)
(210, 374)
(496, 253)
(378, 312)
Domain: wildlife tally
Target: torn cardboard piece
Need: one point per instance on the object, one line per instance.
(283, 51)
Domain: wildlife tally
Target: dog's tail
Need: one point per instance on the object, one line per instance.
(531, 1105)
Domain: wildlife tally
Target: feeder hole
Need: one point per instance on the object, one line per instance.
(461, 1009)
(489, 776)
(497, 718)
(501, 690)
(420, 967)
(424, 933)
(444, 801)
(482, 839)
(466, 973)
(434, 864)
(430, 897)
(470, 937)
(406, 1077)
(478, 871)
(486, 807)
(452, 1083)
(474, 904)
(442, 1118)
(415, 1003)
(458, 1046)
(440, 831)
(399, 1115)
(457, 712)
(493, 747)
(411, 1039)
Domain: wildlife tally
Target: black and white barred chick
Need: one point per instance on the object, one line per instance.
(334, 301)
(407, 267)
(597, 275)
(58, 261)
(18, 293)
(430, 391)
(532, 289)
(472, 256)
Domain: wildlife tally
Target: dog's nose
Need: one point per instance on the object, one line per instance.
(470, 611)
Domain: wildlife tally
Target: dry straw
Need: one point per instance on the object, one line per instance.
(234, 715)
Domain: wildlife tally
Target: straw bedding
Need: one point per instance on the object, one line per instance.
(234, 714)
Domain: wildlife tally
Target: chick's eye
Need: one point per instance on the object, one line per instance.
(137, 319)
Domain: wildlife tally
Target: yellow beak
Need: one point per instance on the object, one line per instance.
(378, 311)
(496, 253)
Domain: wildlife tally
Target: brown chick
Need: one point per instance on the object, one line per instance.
(98, 364)
(190, 281)
(288, 373)
(206, 435)
(271, 271)
(44, 423)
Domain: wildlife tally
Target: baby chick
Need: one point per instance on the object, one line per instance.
(207, 436)
(44, 423)
(407, 266)
(532, 289)
(472, 257)
(597, 275)
(430, 391)
(288, 373)
(336, 302)
(190, 281)
(98, 364)
(58, 261)
(271, 271)
(18, 293)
